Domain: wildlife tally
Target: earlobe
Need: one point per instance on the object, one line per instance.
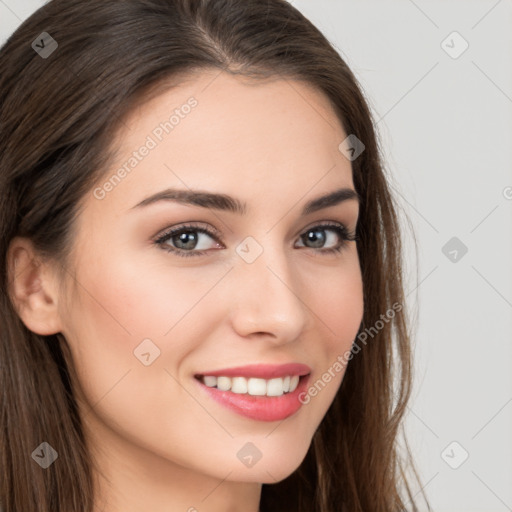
(32, 288)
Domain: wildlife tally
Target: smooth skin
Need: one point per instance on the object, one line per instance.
(161, 443)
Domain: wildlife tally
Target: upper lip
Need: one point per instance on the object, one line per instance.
(263, 371)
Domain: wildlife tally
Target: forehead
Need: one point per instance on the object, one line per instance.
(228, 134)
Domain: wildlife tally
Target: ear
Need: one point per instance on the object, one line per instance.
(33, 288)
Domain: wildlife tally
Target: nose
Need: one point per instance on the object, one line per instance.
(267, 299)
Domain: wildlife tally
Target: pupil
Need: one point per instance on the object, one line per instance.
(182, 237)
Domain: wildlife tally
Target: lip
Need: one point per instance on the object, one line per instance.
(262, 371)
(260, 408)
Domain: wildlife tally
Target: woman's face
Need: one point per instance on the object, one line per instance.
(258, 288)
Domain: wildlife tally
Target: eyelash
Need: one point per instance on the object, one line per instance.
(339, 229)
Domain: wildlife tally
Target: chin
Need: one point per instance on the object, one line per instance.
(271, 469)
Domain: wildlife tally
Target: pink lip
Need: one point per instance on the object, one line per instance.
(262, 408)
(262, 371)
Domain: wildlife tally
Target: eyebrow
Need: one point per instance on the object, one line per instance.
(231, 204)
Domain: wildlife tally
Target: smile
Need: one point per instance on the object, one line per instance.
(253, 386)
(257, 401)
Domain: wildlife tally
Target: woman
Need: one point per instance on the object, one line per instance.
(202, 304)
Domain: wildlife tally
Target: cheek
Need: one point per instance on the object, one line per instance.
(130, 313)
(337, 307)
(137, 299)
(341, 306)
(117, 310)
(336, 303)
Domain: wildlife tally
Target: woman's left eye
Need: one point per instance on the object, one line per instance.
(187, 238)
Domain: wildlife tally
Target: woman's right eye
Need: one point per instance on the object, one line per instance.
(185, 239)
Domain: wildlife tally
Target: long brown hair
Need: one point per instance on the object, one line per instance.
(58, 112)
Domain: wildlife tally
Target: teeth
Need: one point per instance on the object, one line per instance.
(257, 387)
(294, 381)
(239, 385)
(223, 383)
(286, 384)
(253, 386)
(210, 381)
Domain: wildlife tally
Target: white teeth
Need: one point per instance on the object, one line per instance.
(239, 385)
(275, 387)
(253, 386)
(294, 381)
(257, 387)
(210, 381)
(223, 383)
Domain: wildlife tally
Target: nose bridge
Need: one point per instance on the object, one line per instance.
(266, 299)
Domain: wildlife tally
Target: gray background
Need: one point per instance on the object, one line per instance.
(445, 124)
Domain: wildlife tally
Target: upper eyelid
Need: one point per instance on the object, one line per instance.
(191, 226)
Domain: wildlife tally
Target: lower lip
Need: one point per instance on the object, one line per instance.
(261, 408)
